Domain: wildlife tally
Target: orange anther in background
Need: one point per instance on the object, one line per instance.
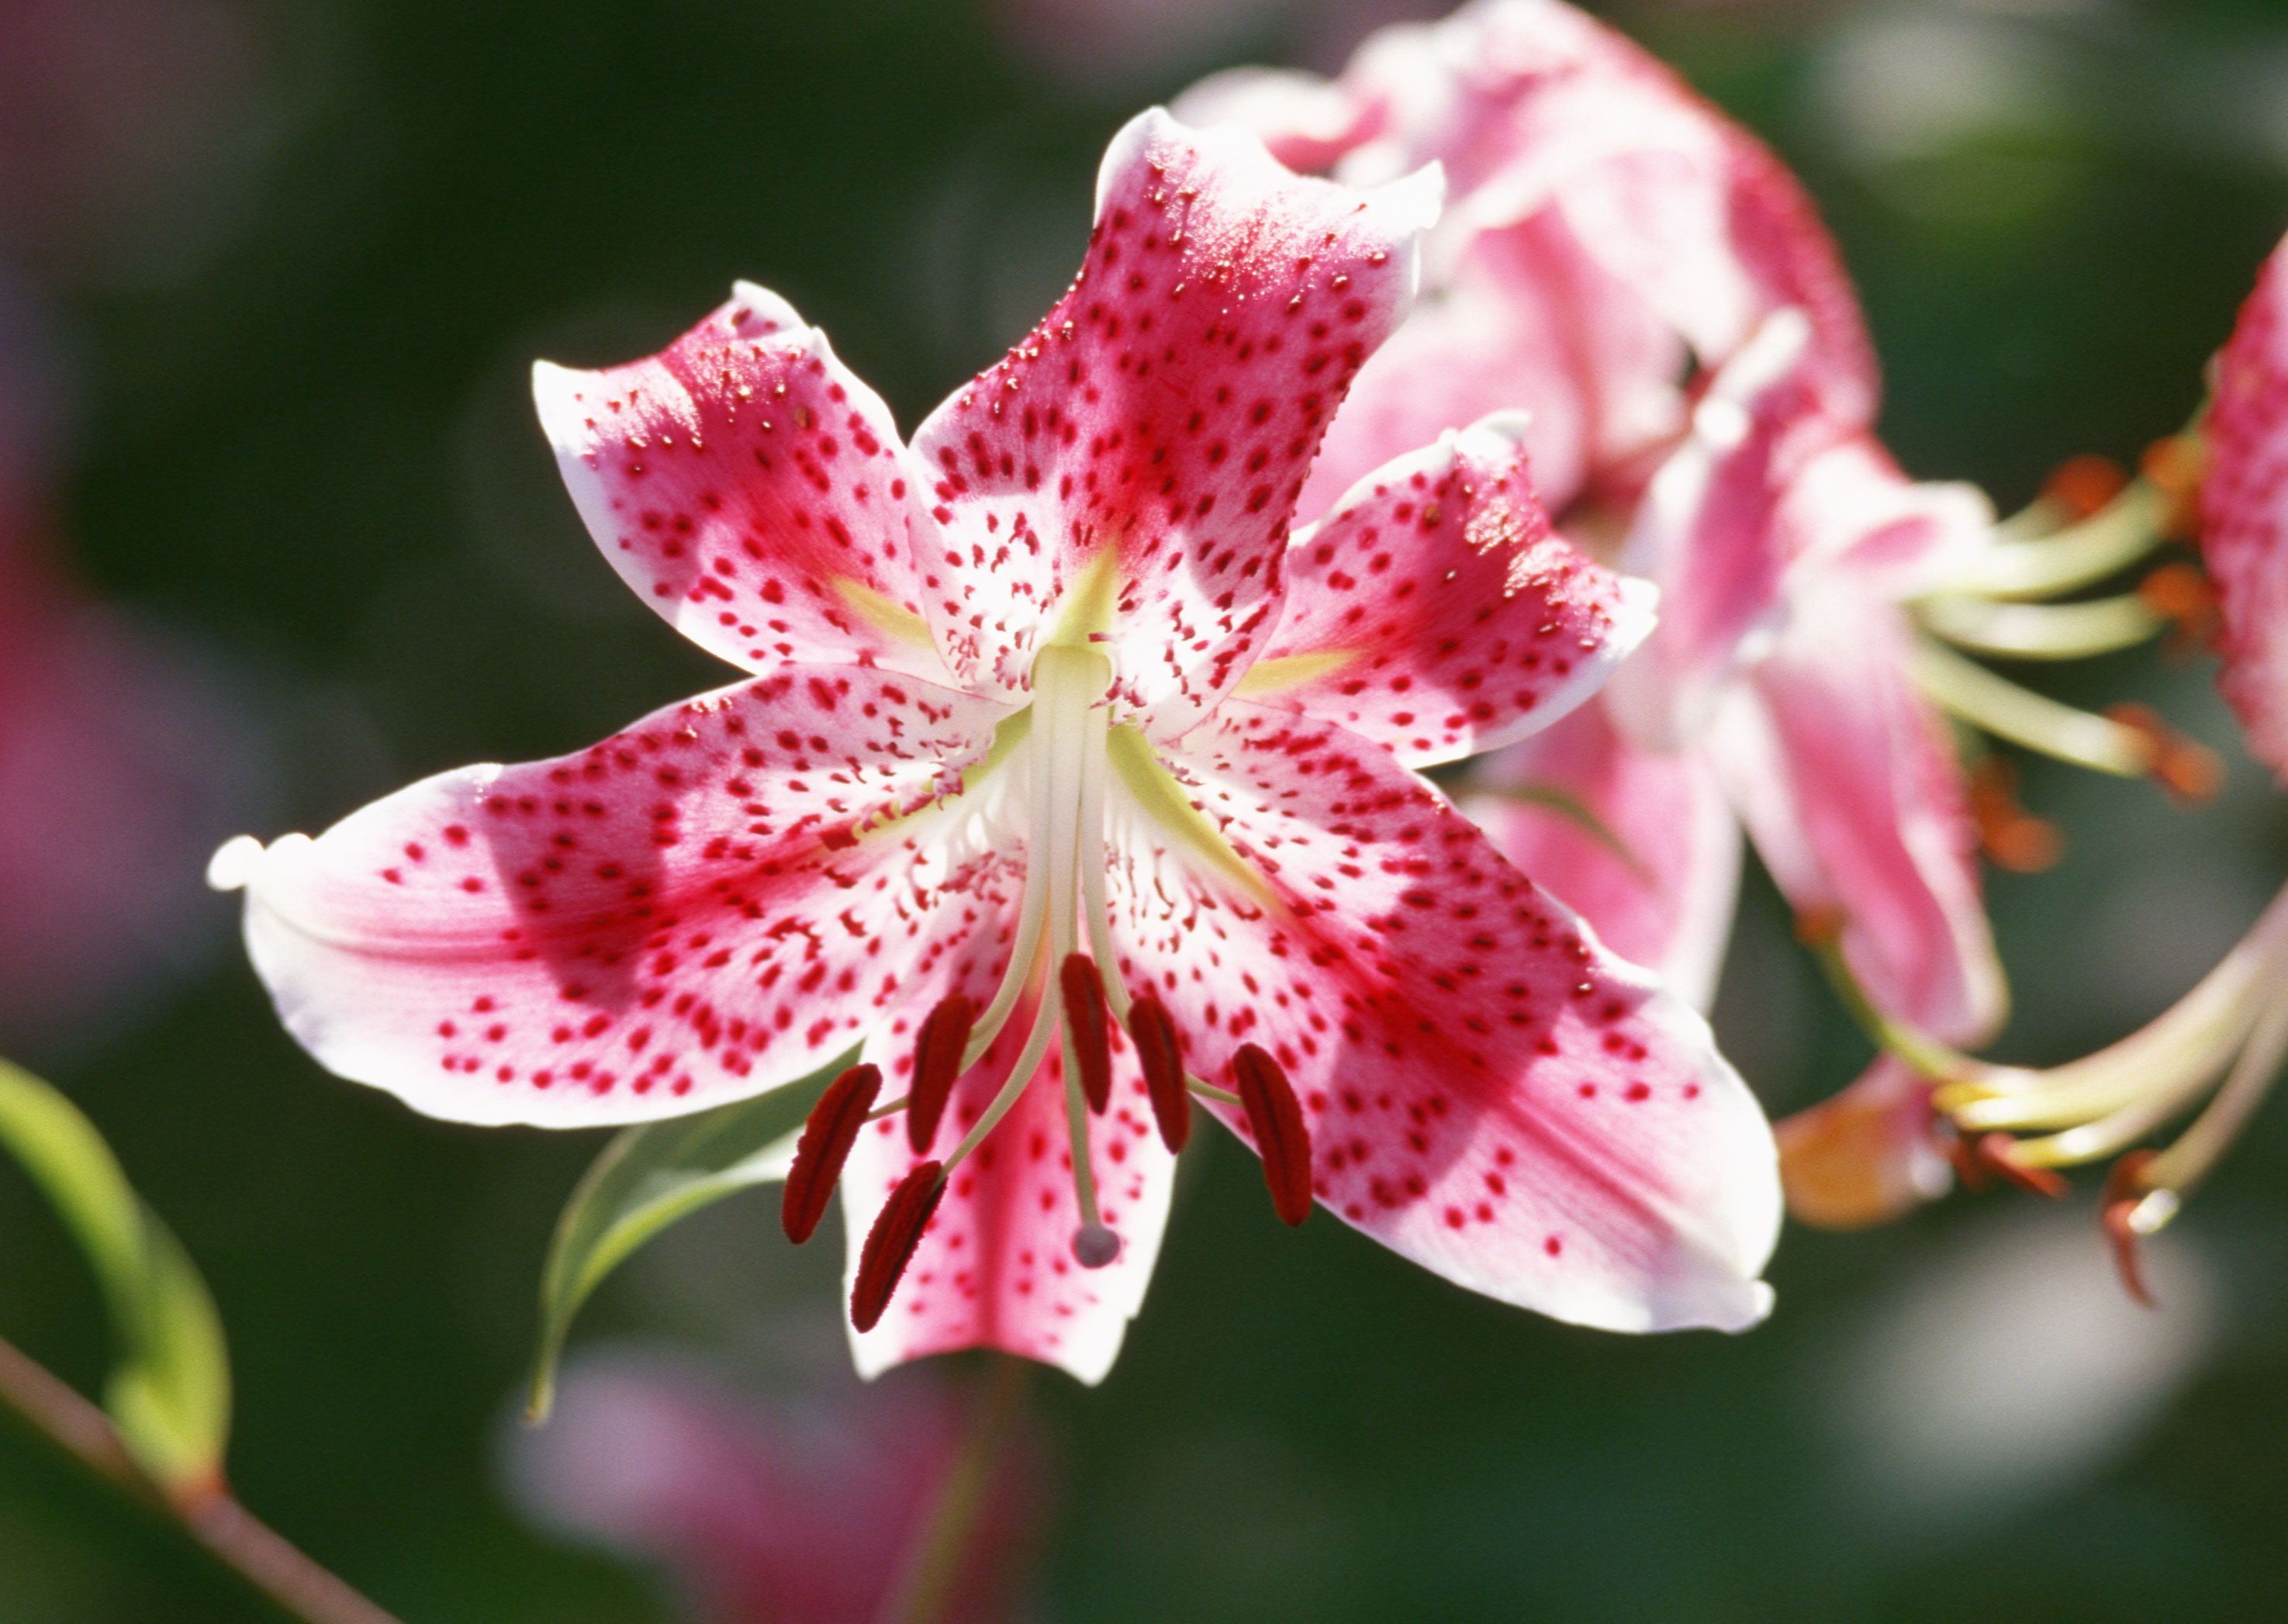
(2175, 465)
(2086, 483)
(1817, 927)
(2182, 592)
(2189, 772)
(1998, 1154)
(2011, 836)
(2124, 1187)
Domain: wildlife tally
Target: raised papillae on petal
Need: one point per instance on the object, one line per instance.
(1434, 611)
(1129, 471)
(713, 903)
(2244, 514)
(750, 489)
(1487, 1089)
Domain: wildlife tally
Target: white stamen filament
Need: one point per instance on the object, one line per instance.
(2040, 631)
(1063, 880)
(2108, 542)
(2008, 711)
(2188, 1161)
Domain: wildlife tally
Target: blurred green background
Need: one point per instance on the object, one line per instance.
(293, 348)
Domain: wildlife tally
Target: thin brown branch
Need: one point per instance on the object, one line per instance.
(256, 1551)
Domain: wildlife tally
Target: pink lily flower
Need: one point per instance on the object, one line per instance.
(776, 1513)
(1053, 730)
(1652, 284)
(2218, 1049)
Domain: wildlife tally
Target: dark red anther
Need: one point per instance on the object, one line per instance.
(1163, 1060)
(1085, 1014)
(824, 1146)
(2124, 1188)
(890, 1244)
(1281, 1140)
(937, 1063)
(1998, 1154)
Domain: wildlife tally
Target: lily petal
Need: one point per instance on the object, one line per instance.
(994, 1269)
(1489, 1092)
(752, 490)
(1129, 471)
(1435, 613)
(1707, 534)
(702, 908)
(1526, 319)
(1865, 1156)
(1643, 845)
(1849, 787)
(2244, 514)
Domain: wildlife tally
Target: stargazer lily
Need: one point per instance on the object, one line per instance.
(1074, 786)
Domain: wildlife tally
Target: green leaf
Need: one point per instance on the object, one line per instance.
(651, 1176)
(169, 1394)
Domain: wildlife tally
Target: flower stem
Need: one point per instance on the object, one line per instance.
(257, 1552)
(942, 1546)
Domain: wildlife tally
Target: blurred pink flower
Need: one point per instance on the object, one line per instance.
(119, 762)
(1652, 285)
(1050, 712)
(805, 1510)
(121, 125)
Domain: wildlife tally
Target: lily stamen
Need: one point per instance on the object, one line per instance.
(890, 1244)
(1281, 1136)
(827, 1138)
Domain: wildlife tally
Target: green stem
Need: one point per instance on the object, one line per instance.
(257, 1552)
(935, 1560)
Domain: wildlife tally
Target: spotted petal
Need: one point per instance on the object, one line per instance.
(750, 489)
(1434, 613)
(2244, 514)
(1134, 462)
(709, 904)
(1489, 1092)
(1642, 844)
(994, 1269)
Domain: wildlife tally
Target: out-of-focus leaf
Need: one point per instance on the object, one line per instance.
(169, 1394)
(652, 1176)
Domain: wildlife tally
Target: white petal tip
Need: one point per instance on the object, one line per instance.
(1509, 424)
(1635, 613)
(1418, 198)
(774, 312)
(233, 865)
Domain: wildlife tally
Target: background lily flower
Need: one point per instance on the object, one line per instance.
(809, 1510)
(1049, 709)
(1650, 282)
(119, 759)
